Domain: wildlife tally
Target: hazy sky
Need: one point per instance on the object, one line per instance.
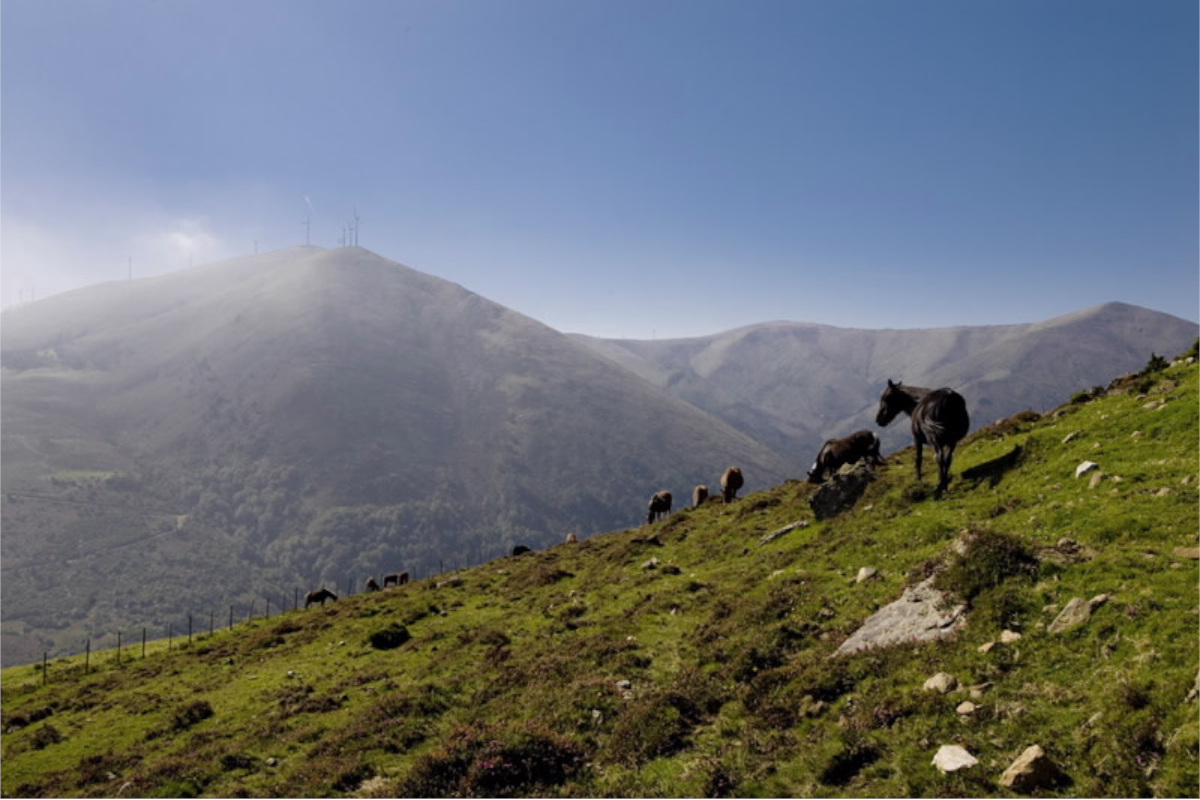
(641, 168)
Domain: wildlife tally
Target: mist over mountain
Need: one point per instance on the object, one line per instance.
(792, 385)
(311, 416)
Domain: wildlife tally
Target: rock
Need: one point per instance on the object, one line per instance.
(922, 614)
(1076, 612)
(952, 757)
(1187, 552)
(651, 564)
(865, 574)
(1086, 467)
(773, 535)
(840, 492)
(942, 683)
(1032, 770)
(1072, 436)
(272, 761)
(1164, 492)
(966, 708)
(808, 707)
(1008, 637)
(1095, 480)
(986, 647)
(1195, 690)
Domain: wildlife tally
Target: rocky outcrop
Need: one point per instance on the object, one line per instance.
(922, 614)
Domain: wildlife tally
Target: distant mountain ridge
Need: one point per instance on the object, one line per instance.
(792, 385)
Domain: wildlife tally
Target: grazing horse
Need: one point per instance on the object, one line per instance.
(699, 495)
(731, 481)
(318, 596)
(520, 550)
(939, 419)
(660, 506)
(372, 586)
(836, 452)
(395, 579)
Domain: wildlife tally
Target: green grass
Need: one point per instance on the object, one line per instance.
(582, 670)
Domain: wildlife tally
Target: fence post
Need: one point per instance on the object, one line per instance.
(231, 618)
(295, 599)
(169, 636)
(250, 616)
(87, 657)
(212, 615)
(43, 668)
(189, 628)
(118, 648)
(268, 608)
(143, 643)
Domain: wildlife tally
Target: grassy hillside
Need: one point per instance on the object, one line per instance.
(690, 658)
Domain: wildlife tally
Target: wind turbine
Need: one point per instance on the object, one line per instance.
(307, 222)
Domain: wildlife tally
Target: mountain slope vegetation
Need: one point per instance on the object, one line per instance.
(695, 656)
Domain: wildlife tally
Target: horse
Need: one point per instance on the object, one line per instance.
(318, 596)
(660, 506)
(836, 452)
(731, 481)
(939, 419)
(395, 579)
(520, 550)
(699, 495)
(372, 586)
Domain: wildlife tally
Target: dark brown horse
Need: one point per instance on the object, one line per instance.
(318, 596)
(836, 452)
(660, 506)
(731, 482)
(939, 419)
(372, 586)
(395, 579)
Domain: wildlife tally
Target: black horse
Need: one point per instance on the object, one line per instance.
(318, 596)
(939, 419)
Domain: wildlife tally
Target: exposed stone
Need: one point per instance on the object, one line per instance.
(786, 529)
(865, 574)
(651, 564)
(1187, 552)
(986, 647)
(922, 614)
(1076, 612)
(952, 757)
(1086, 467)
(841, 491)
(942, 683)
(1072, 436)
(808, 707)
(966, 708)
(1164, 492)
(1032, 770)
(1095, 480)
(1008, 637)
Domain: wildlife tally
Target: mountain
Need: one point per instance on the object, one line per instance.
(705, 655)
(228, 433)
(794, 385)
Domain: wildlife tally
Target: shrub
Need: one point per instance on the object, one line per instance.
(489, 761)
(988, 559)
(190, 715)
(390, 637)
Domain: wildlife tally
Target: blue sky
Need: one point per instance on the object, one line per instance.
(629, 168)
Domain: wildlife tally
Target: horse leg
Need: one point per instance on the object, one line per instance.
(944, 457)
(920, 445)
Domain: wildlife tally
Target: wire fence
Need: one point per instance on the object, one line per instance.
(198, 625)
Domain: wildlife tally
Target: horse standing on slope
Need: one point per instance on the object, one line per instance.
(939, 419)
(318, 596)
(836, 452)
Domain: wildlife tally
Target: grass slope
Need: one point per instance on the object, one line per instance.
(689, 658)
